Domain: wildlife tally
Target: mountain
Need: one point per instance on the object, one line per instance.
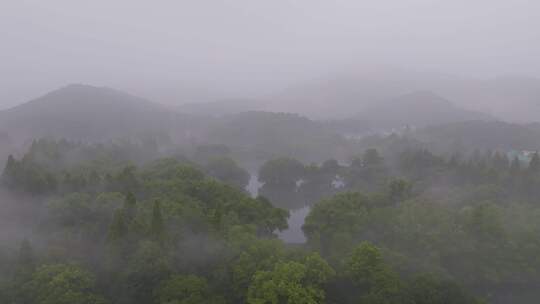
(88, 113)
(512, 98)
(267, 135)
(221, 107)
(355, 89)
(480, 135)
(416, 109)
(337, 95)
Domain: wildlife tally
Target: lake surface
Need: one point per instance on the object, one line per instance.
(294, 233)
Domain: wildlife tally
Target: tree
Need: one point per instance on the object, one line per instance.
(255, 255)
(291, 282)
(500, 161)
(515, 166)
(9, 175)
(205, 153)
(130, 206)
(281, 171)
(369, 271)
(365, 263)
(126, 180)
(333, 224)
(182, 289)
(534, 164)
(26, 260)
(431, 289)
(371, 157)
(227, 171)
(18, 289)
(366, 173)
(399, 190)
(63, 284)
(157, 225)
(146, 268)
(28, 176)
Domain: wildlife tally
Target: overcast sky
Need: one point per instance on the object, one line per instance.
(246, 47)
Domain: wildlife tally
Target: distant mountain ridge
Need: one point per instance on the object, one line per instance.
(511, 98)
(480, 135)
(419, 109)
(84, 112)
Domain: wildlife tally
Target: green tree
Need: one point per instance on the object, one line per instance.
(130, 207)
(431, 289)
(183, 289)
(227, 171)
(399, 190)
(515, 166)
(157, 225)
(291, 282)
(365, 263)
(368, 270)
(534, 164)
(255, 255)
(26, 260)
(11, 171)
(281, 171)
(146, 268)
(371, 157)
(63, 284)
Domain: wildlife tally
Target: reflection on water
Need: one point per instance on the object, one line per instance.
(294, 233)
(254, 184)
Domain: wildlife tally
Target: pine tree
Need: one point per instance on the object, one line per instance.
(534, 164)
(118, 229)
(9, 176)
(130, 206)
(25, 259)
(515, 166)
(157, 225)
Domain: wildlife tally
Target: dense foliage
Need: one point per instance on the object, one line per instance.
(405, 226)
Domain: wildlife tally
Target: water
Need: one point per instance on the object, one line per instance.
(254, 184)
(294, 233)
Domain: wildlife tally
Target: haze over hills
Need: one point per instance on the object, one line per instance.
(480, 135)
(221, 107)
(268, 134)
(512, 98)
(339, 95)
(88, 113)
(417, 109)
(83, 112)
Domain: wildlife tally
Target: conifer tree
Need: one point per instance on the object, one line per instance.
(157, 225)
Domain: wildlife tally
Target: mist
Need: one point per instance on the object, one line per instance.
(249, 152)
(185, 51)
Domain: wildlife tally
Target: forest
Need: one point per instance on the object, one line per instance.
(270, 152)
(120, 222)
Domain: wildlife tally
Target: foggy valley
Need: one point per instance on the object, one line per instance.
(303, 152)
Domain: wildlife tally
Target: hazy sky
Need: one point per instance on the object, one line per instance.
(244, 47)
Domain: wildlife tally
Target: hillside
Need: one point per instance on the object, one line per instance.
(83, 112)
(482, 135)
(221, 107)
(267, 134)
(417, 109)
(339, 94)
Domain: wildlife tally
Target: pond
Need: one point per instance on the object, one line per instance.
(294, 233)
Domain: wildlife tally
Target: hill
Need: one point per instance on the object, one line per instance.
(339, 94)
(221, 107)
(267, 135)
(417, 109)
(83, 112)
(481, 135)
